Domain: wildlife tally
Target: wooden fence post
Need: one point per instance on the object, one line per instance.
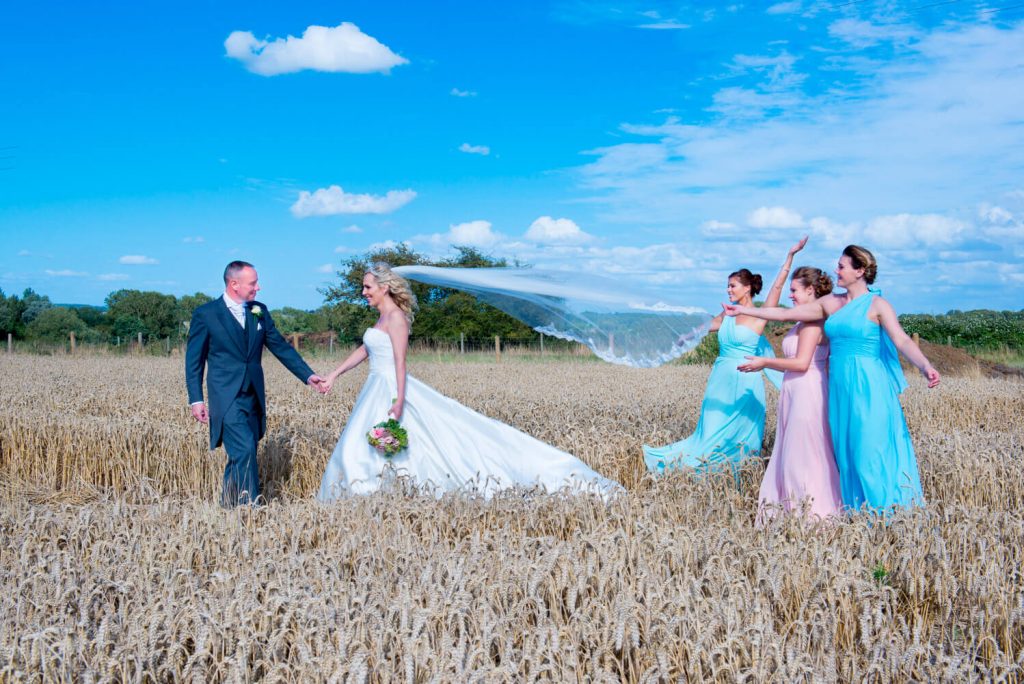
(295, 341)
(10, 343)
(542, 344)
(140, 341)
(462, 343)
(72, 336)
(330, 343)
(917, 339)
(497, 348)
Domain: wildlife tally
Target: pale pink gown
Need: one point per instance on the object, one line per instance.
(802, 467)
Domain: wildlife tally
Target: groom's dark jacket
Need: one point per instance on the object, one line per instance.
(231, 356)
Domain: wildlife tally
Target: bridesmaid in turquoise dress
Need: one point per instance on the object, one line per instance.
(731, 423)
(874, 453)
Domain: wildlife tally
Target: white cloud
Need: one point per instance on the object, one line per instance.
(137, 260)
(333, 200)
(551, 230)
(716, 228)
(785, 8)
(194, 240)
(352, 229)
(343, 48)
(666, 25)
(341, 249)
(112, 276)
(472, 234)
(386, 244)
(66, 273)
(462, 93)
(24, 253)
(994, 214)
(774, 217)
(910, 230)
(325, 268)
(475, 149)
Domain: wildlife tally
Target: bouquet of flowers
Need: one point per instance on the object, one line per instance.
(388, 437)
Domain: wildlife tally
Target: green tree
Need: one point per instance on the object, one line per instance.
(53, 324)
(157, 312)
(443, 313)
(33, 304)
(11, 309)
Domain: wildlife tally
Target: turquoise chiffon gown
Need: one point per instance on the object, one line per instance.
(731, 424)
(874, 454)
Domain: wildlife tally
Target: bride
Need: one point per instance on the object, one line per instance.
(450, 445)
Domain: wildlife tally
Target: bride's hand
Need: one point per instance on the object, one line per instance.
(396, 409)
(328, 382)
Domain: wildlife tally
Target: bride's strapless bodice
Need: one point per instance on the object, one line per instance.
(378, 347)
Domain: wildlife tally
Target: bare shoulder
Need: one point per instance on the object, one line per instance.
(397, 322)
(832, 302)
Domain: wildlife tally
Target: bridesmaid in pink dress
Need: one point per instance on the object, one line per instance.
(802, 469)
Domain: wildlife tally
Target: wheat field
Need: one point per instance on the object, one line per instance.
(117, 564)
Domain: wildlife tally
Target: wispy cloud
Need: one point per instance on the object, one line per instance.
(462, 93)
(352, 229)
(325, 268)
(112, 276)
(194, 239)
(475, 149)
(669, 25)
(334, 200)
(137, 260)
(342, 48)
(66, 273)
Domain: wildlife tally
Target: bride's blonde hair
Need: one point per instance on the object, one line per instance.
(398, 288)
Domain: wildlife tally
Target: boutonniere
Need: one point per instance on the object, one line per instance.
(256, 310)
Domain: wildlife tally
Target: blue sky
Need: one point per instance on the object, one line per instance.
(144, 145)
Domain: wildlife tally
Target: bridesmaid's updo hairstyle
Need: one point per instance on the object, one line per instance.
(398, 288)
(808, 276)
(862, 258)
(751, 280)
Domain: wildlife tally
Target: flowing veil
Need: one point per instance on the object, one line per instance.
(620, 324)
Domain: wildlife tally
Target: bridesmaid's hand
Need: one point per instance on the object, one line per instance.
(932, 376)
(798, 246)
(753, 364)
(732, 309)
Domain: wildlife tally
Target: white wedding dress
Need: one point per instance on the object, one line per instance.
(450, 445)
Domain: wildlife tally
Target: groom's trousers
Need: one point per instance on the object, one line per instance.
(241, 430)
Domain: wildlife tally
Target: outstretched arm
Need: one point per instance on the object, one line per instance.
(807, 341)
(811, 311)
(287, 355)
(357, 356)
(888, 320)
(775, 293)
(398, 331)
(716, 323)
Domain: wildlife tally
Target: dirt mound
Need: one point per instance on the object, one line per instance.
(950, 361)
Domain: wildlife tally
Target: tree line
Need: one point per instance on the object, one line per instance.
(444, 314)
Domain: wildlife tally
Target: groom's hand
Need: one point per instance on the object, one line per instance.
(317, 383)
(199, 412)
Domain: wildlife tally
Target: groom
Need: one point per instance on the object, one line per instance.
(227, 335)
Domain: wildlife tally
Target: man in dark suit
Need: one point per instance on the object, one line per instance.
(226, 337)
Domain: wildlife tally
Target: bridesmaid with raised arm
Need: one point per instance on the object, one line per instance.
(874, 454)
(731, 423)
(802, 468)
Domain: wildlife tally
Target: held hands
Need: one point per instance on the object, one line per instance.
(753, 364)
(200, 413)
(932, 376)
(318, 383)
